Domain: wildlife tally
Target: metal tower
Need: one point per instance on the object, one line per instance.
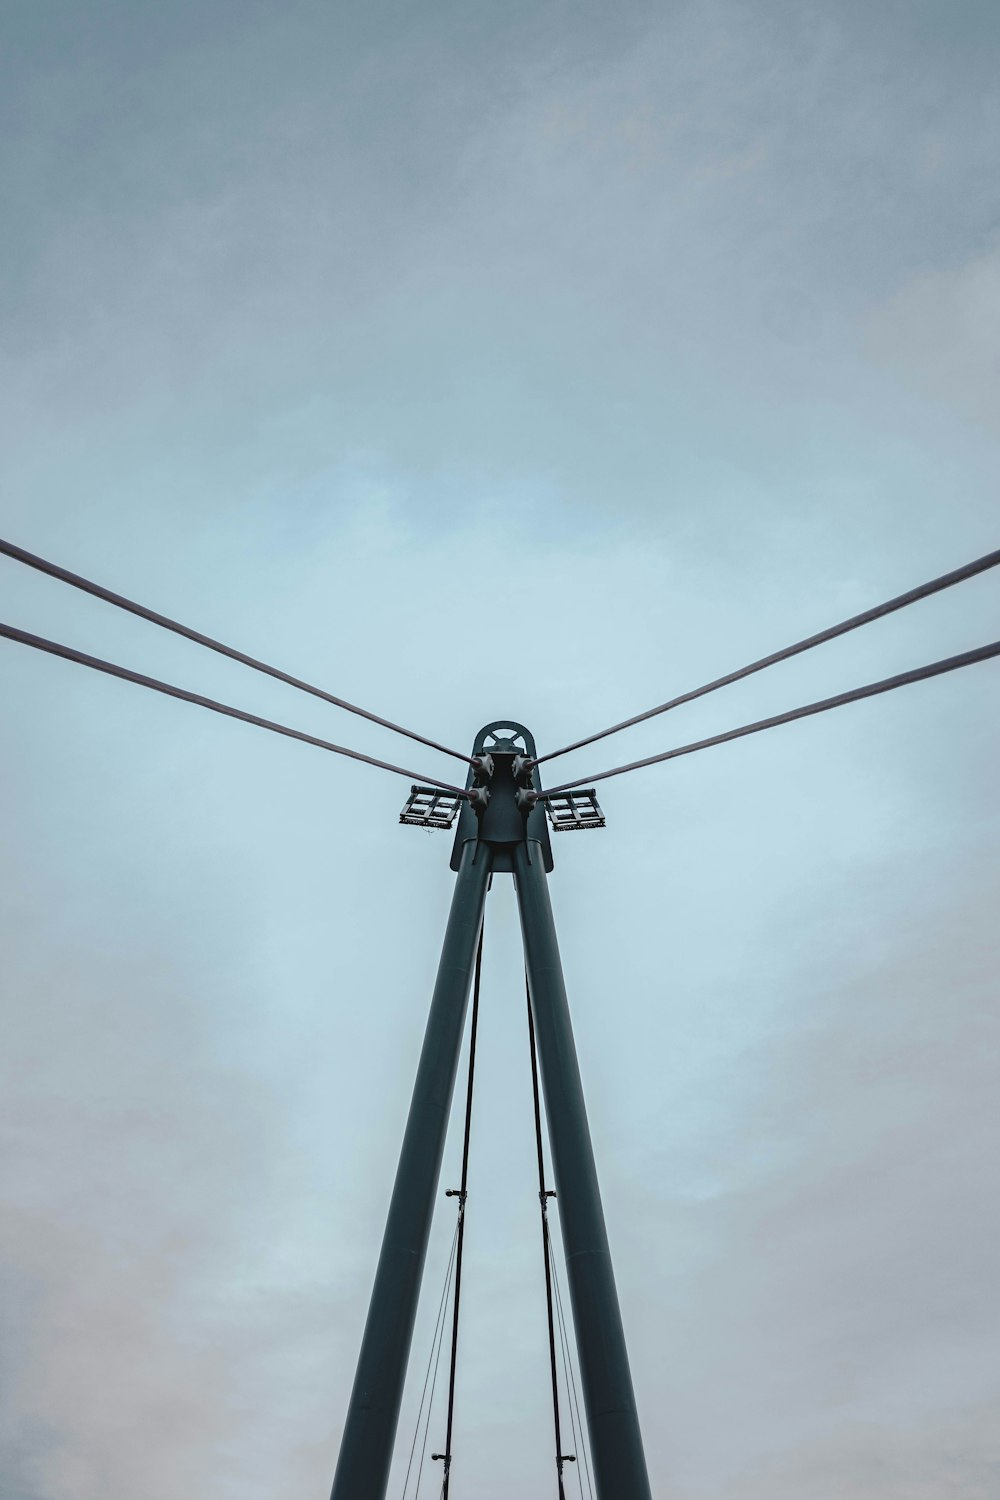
(501, 829)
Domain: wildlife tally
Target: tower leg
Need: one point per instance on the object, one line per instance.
(615, 1439)
(370, 1429)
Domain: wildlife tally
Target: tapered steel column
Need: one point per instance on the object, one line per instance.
(370, 1430)
(615, 1440)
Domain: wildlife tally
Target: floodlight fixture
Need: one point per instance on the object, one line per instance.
(428, 807)
(576, 809)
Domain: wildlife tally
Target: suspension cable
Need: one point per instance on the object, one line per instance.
(68, 653)
(946, 581)
(543, 1200)
(31, 560)
(435, 1344)
(902, 679)
(572, 1394)
(462, 1195)
(430, 1407)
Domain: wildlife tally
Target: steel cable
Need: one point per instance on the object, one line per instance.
(53, 570)
(462, 1196)
(579, 1434)
(435, 1344)
(430, 1403)
(68, 653)
(923, 591)
(886, 685)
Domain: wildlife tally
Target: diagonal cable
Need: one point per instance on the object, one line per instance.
(42, 565)
(437, 1365)
(435, 1345)
(68, 653)
(870, 690)
(923, 591)
(581, 1441)
(463, 1194)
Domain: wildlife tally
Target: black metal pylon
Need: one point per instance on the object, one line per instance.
(507, 833)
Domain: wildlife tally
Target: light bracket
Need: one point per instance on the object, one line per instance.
(575, 810)
(429, 807)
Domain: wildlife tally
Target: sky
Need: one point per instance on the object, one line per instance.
(543, 360)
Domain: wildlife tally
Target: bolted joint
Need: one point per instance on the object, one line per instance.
(482, 769)
(479, 798)
(522, 767)
(526, 800)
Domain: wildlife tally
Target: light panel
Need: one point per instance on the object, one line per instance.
(429, 807)
(575, 810)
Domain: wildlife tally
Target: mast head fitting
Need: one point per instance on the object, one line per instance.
(482, 769)
(479, 798)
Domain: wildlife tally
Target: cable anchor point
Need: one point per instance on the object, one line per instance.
(482, 769)
(479, 797)
(523, 767)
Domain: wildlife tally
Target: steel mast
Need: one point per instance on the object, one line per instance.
(502, 829)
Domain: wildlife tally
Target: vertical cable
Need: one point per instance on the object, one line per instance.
(430, 1404)
(572, 1394)
(435, 1344)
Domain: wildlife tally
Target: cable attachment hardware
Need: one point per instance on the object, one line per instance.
(546, 1193)
(526, 799)
(522, 767)
(460, 1193)
(444, 1458)
(482, 769)
(479, 797)
(566, 1458)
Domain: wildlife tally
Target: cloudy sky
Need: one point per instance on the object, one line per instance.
(544, 360)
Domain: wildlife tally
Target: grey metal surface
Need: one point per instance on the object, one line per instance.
(504, 740)
(615, 1439)
(370, 1430)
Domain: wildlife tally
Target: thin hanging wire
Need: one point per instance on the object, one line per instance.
(431, 1363)
(887, 684)
(571, 1392)
(68, 653)
(430, 1408)
(564, 1347)
(543, 1200)
(42, 565)
(923, 591)
(463, 1193)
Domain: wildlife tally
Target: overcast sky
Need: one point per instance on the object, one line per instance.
(545, 360)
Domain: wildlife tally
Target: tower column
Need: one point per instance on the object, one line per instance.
(615, 1439)
(372, 1416)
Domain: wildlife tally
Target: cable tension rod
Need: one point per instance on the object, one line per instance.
(68, 653)
(923, 591)
(902, 679)
(53, 570)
